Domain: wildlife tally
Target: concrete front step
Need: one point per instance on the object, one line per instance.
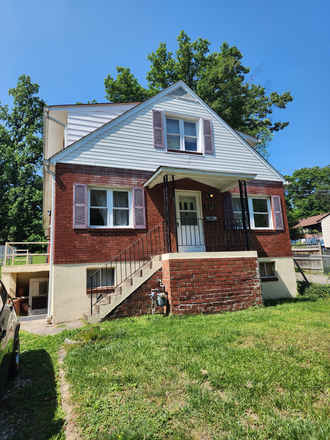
(111, 301)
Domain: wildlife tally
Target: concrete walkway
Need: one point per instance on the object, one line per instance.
(318, 279)
(39, 326)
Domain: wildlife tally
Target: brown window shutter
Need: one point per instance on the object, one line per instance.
(157, 124)
(228, 210)
(277, 211)
(79, 206)
(208, 137)
(139, 208)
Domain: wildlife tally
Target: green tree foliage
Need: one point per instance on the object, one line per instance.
(21, 164)
(219, 78)
(308, 192)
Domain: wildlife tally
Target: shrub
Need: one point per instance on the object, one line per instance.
(301, 287)
(326, 270)
(316, 291)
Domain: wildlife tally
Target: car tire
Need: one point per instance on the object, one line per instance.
(14, 368)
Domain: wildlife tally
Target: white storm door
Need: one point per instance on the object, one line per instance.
(38, 295)
(189, 221)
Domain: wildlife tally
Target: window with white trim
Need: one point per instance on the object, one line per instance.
(109, 208)
(182, 135)
(260, 211)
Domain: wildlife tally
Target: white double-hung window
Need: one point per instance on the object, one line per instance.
(260, 212)
(109, 208)
(182, 135)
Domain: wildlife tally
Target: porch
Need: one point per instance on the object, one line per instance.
(25, 274)
(195, 228)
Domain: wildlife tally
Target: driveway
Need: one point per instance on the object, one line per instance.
(317, 278)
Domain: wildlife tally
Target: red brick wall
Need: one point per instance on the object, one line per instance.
(270, 243)
(211, 285)
(102, 244)
(139, 303)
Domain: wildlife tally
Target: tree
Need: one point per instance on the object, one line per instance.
(308, 192)
(219, 78)
(21, 164)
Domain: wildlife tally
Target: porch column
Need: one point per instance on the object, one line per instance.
(245, 215)
(175, 219)
(167, 237)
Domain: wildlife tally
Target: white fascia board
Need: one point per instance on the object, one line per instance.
(189, 173)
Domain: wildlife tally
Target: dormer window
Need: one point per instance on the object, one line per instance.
(181, 135)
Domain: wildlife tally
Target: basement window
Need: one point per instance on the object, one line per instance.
(267, 271)
(100, 278)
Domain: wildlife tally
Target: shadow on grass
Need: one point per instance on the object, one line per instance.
(28, 409)
(278, 301)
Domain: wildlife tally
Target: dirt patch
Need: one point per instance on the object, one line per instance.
(71, 430)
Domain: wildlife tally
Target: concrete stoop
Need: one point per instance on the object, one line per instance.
(112, 300)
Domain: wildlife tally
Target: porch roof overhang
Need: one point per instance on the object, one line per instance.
(220, 180)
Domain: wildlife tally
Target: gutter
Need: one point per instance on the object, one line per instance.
(52, 230)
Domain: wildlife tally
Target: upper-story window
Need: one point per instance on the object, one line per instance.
(110, 208)
(181, 135)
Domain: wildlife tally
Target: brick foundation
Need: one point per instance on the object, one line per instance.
(139, 303)
(198, 285)
(211, 285)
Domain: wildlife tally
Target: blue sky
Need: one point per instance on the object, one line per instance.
(68, 47)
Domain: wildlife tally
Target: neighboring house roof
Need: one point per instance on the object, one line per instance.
(310, 221)
(326, 215)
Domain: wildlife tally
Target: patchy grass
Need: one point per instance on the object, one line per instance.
(258, 374)
(262, 373)
(31, 407)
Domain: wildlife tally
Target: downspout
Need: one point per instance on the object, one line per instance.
(58, 122)
(52, 229)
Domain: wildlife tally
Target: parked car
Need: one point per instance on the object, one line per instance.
(9, 339)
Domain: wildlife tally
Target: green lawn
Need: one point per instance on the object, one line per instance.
(257, 374)
(33, 259)
(31, 408)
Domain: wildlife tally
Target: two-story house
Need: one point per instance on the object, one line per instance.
(159, 196)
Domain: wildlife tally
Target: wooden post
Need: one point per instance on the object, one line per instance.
(6, 254)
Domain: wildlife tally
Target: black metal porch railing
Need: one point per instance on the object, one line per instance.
(211, 233)
(106, 279)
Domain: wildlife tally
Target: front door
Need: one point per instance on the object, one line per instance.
(189, 221)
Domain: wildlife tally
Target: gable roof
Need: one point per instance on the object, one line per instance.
(309, 221)
(178, 91)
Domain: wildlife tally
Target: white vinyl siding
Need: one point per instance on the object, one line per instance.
(129, 145)
(83, 120)
(326, 231)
